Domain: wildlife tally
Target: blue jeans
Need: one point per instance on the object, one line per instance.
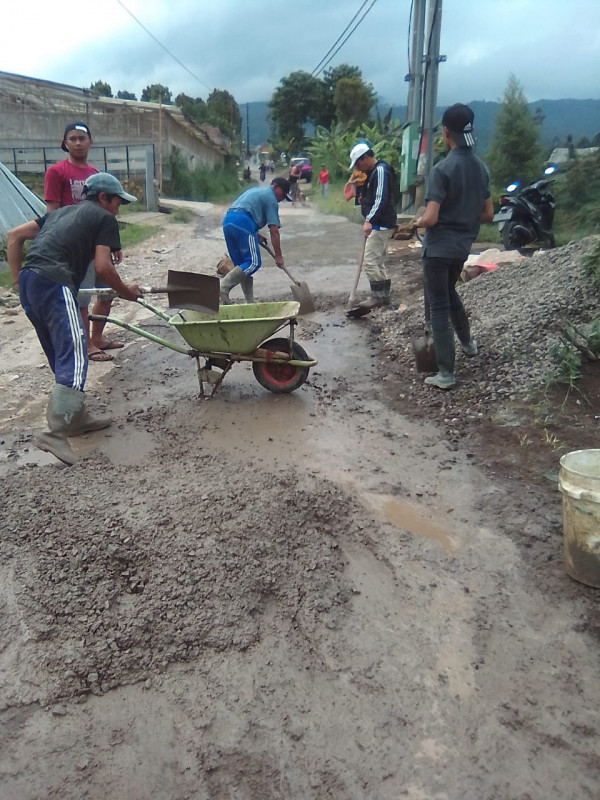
(444, 309)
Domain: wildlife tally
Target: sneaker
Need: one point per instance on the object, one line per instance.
(441, 381)
(470, 349)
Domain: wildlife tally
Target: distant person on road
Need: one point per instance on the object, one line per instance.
(324, 180)
(457, 201)
(65, 241)
(378, 207)
(262, 171)
(294, 178)
(63, 186)
(252, 210)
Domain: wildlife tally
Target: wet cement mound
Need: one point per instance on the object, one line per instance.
(111, 593)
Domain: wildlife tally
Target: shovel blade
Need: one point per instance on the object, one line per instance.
(302, 295)
(424, 352)
(192, 291)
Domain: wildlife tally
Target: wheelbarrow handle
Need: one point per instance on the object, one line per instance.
(104, 293)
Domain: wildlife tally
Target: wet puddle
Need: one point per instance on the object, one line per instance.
(407, 518)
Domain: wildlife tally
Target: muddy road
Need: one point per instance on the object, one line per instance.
(279, 596)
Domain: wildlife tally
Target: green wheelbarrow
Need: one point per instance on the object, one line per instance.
(236, 333)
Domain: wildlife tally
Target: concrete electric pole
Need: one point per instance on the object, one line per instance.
(419, 131)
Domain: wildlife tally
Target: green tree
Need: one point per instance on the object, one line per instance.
(353, 101)
(223, 111)
(514, 152)
(101, 89)
(123, 94)
(193, 108)
(583, 142)
(330, 79)
(298, 99)
(156, 93)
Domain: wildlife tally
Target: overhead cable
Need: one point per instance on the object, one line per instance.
(158, 42)
(329, 56)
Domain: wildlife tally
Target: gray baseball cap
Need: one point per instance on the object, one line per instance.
(105, 182)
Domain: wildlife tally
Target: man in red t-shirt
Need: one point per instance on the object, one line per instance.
(63, 185)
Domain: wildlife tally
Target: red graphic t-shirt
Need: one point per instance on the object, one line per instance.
(63, 183)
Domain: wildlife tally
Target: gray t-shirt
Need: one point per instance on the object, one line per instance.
(67, 242)
(460, 183)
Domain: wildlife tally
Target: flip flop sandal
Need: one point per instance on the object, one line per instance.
(114, 346)
(99, 356)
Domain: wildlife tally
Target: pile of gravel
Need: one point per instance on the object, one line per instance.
(516, 315)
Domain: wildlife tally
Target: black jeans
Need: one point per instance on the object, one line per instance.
(443, 306)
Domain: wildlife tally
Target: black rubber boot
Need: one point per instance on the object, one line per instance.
(386, 287)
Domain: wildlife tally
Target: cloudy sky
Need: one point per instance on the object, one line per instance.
(247, 46)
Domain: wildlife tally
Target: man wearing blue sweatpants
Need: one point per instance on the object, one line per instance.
(252, 210)
(64, 243)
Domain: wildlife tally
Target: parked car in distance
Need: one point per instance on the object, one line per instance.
(305, 167)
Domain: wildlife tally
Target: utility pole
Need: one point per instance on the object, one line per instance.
(247, 130)
(432, 64)
(411, 134)
(415, 76)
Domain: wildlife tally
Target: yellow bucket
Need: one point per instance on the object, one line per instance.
(579, 482)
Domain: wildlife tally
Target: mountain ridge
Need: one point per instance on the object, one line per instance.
(562, 118)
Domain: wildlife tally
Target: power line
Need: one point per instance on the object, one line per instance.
(158, 42)
(327, 58)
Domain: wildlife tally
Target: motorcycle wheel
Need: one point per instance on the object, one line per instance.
(510, 237)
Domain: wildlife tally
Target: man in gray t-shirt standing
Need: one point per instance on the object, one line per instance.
(458, 201)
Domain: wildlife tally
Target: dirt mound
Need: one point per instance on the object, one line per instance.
(116, 594)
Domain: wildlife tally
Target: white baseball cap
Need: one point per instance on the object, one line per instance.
(357, 151)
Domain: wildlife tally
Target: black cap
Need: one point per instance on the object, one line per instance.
(74, 126)
(459, 121)
(284, 185)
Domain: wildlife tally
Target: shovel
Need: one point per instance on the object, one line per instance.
(187, 290)
(424, 353)
(352, 310)
(300, 291)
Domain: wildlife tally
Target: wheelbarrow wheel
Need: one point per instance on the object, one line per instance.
(281, 378)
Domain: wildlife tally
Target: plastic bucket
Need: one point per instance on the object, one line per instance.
(579, 482)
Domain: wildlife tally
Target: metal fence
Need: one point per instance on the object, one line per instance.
(125, 161)
(129, 162)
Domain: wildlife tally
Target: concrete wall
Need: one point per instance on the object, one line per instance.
(33, 113)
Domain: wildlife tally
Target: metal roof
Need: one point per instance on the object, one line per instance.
(18, 204)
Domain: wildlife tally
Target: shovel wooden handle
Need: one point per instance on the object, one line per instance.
(352, 297)
(284, 268)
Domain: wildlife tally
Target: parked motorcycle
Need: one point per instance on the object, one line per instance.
(527, 217)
